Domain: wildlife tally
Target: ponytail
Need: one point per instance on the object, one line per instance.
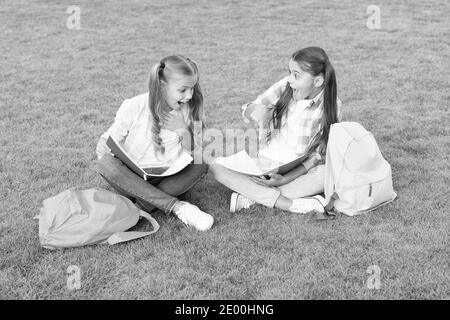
(155, 101)
(196, 104)
(279, 110)
(330, 114)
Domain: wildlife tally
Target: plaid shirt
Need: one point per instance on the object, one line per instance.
(298, 126)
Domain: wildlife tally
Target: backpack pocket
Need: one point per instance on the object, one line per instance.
(366, 197)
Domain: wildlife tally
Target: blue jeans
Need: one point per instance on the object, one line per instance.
(156, 193)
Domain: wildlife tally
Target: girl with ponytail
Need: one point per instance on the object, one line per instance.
(154, 128)
(296, 114)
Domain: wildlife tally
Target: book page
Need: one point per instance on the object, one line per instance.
(183, 160)
(121, 154)
(242, 162)
(156, 170)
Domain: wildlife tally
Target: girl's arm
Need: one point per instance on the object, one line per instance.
(102, 148)
(119, 129)
(295, 173)
(275, 179)
(259, 109)
(312, 160)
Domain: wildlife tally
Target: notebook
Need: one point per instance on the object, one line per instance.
(175, 167)
(257, 166)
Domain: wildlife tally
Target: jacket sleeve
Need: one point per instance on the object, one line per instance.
(119, 129)
(268, 98)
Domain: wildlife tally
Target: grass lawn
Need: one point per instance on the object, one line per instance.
(60, 90)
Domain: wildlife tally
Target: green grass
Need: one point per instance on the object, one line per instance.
(61, 88)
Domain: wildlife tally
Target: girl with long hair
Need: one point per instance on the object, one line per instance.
(152, 129)
(296, 113)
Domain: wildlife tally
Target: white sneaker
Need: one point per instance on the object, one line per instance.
(192, 216)
(238, 202)
(305, 205)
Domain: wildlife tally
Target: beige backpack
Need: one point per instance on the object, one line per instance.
(357, 177)
(76, 218)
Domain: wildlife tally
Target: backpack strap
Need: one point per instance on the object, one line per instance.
(119, 237)
(329, 213)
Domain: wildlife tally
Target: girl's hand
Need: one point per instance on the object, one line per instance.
(174, 122)
(274, 180)
(102, 148)
(259, 114)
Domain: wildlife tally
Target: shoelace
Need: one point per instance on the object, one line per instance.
(181, 214)
(246, 203)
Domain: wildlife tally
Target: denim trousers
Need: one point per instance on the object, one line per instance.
(158, 192)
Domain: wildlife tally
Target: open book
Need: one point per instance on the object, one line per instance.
(259, 166)
(175, 167)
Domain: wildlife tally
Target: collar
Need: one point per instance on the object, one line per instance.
(313, 102)
(309, 102)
